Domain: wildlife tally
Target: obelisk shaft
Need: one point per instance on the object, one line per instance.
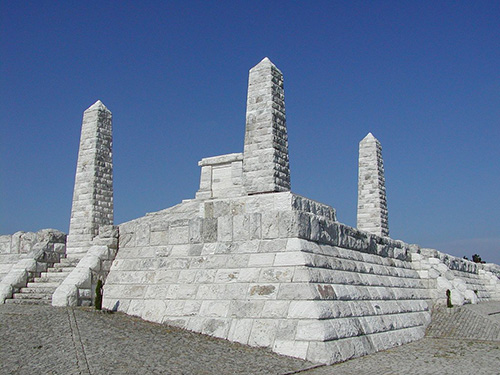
(372, 201)
(265, 157)
(93, 192)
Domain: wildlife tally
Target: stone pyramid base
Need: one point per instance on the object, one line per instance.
(273, 270)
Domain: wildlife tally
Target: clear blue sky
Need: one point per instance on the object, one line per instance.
(423, 77)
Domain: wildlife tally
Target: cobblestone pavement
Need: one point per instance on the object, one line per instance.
(425, 357)
(49, 340)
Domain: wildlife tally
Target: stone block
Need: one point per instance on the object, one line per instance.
(209, 230)
(168, 263)
(205, 276)
(65, 295)
(216, 327)
(179, 235)
(240, 330)
(263, 332)
(191, 308)
(275, 309)
(227, 276)
(272, 246)
(180, 250)
(274, 275)
(297, 291)
(127, 240)
(237, 261)
(206, 179)
(195, 249)
(291, 348)
(115, 304)
(261, 260)
(131, 291)
(238, 275)
(186, 276)
(135, 307)
(173, 308)
(255, 226)
(297, 244)
(457, 297)
(289, 259)
(225, 228)
(315, 229)
(131, 277)
(157, 238)
(263, 291)
(141, 235)
(288, 224)
(157, 292)
(246, 309)
(221, 208)
(221, 261)
(224, 247)
(177, 291)
(241, 227)
(270, 225)
(218, 309)
(245, 247)
(209, 292)
(153, 310)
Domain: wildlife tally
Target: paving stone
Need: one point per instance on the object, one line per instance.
(84, 341)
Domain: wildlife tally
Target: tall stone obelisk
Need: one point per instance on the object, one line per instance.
(372, 201)
(265, 155)
(93, 191)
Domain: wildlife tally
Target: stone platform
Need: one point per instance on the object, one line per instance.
(273, 270)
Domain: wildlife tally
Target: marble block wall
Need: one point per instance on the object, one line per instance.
(273, 270)
(468, 282)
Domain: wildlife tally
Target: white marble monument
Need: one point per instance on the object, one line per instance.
(93, 192)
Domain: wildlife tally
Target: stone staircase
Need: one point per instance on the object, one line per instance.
(40, 287)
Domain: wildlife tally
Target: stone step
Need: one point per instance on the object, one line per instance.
(29, 301)
(67, 262)
(38, 289)
(51, 277)
(60, 269)
(43, 284)
(55, 275)
(39, 280)
(47, 296)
